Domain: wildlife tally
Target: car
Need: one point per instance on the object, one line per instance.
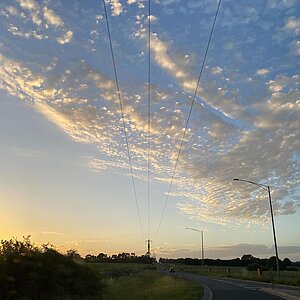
(171, 270)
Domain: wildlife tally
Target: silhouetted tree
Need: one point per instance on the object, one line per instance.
(271, 264)
(29, 272)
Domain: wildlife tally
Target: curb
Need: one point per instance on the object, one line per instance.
(281, 294)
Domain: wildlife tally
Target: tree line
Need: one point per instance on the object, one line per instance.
(119, 258)
(247, 260)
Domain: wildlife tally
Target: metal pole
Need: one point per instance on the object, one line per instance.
(202, 250)
(274, 234)
(267, 188)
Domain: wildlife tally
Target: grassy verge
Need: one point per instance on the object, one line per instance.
(151, 285)
(287, 277)
(116, 270)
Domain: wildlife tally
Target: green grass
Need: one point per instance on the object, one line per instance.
(108, 270)
(151, 285)
(287, 277)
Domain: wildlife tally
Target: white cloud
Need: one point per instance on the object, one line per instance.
(12, 10)
(275, 86)
(66, 38)
(116, 7)
(52, 18)
(29, 4)
(209, 160)
(216, 70)
(153, 18)
(293, 24)
(31, 34)
(295, 46)
(223, 138)
(262, 72)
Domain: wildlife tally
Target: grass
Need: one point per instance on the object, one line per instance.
(287, 277)
(151, 285)
(115, 270)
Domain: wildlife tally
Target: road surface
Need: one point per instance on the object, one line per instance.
(235, 289)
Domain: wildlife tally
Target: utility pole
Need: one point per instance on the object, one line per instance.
(148, 247)
(202, 250)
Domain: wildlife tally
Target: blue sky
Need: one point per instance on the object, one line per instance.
(64, 174)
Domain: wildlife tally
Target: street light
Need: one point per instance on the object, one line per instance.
(267, 189)
(202, 250)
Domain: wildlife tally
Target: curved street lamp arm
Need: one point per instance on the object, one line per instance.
(263, 186)
(193, 229)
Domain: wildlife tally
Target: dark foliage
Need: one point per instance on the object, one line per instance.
(29, 272)
(271, 264)
(120, 258)
(255, 266)
(247, 260)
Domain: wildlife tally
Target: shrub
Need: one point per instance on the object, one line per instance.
(255, 266)
(30, 272)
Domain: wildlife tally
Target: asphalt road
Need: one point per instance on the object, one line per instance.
(223, 288)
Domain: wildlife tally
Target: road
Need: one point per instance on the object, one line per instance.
(225, 288)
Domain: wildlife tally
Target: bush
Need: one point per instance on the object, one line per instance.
(255, 266)
(30, 272)
(271, 264)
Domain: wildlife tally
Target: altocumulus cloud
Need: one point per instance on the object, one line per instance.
(232, 132)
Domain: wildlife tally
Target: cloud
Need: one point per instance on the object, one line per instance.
(44, 22)
(188, 81)
(262, 72)
(116, 7)
(51, 233)
(241, 125)
(152, 18)
(66, 38)
(293, 24)
(28, 4)
(216, 70)
(205, 174)
(295, 46)
(52, 18)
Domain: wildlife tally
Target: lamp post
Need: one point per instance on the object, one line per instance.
(202, 249)
(267, 189)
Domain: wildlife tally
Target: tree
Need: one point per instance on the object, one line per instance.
(271, 264)
(286, 262)
(30, 272)
(248, 257)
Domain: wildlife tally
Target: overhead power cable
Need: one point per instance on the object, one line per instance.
(189, 114)
(149, 113)
(122, 116)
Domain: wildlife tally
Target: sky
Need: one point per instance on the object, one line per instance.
(65, 177)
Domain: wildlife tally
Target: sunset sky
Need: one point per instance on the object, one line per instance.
(64, 175)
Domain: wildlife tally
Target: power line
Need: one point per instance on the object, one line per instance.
(122, 116)
(189, 114)
(149, 112)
